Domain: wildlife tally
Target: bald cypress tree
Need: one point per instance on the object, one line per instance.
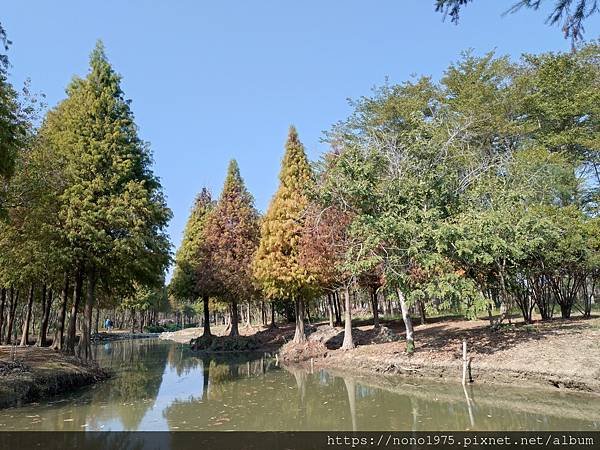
(232, 234)
(112, 210)
(277, 264)
(193, 277)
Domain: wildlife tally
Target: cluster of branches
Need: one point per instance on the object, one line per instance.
(570, 14)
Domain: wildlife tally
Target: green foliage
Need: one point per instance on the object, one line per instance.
(154, 329)
(112, 210)
(145, 298)
(193, 275)
(15, 125)
(462, 191)
(84, 198)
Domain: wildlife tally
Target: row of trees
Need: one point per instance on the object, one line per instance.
(85, 216)
(474, 193)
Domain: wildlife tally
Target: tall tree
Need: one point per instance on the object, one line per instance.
(14, 125)
(277, 265)
(112, 209)
(326, 240)
(233, 232)
(194, 274)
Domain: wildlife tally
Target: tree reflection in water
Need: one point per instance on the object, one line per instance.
(164, 386)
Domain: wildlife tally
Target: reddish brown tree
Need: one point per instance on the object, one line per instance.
(232, 234)
(324, 243)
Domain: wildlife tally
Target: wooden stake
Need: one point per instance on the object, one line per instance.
(465, 362)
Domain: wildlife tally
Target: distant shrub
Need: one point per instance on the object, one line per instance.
(154, 329)
(225, 344)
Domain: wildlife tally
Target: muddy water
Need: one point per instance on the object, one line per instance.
(163, 386)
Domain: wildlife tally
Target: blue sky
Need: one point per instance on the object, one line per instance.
(215, 80)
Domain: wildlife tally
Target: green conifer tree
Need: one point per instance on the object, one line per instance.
(113, 213)
(13, 123)
(193, 276)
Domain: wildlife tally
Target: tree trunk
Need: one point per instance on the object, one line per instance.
(58, 341)
(234, 319)
(348, 343)
(25, 335)
(85, 344)
(206, 316)
(505, 305)
(410, 342)
(72, 329)
(588, 292)
(339, 307)
(330, 309)
(248, 318)
(14, 298)
(273, 324)
(2, 303)
(97, 322)
(300, 334)
(42, 309)
(565, 310)
(46, 304)
(336, 308)
(422, 311)
(375, 305)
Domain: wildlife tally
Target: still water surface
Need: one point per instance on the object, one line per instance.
(160, 385)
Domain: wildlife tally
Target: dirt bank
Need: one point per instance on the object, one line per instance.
(262, 338)
(120, 335)
(31, 374)
(557, 354)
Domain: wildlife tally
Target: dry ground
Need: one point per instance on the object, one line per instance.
(30, 373)
(560, 353)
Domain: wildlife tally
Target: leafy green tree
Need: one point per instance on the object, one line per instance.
(326, 240)
(14, 125)
(112, 210)
(277, 264)
(194, 274)
(560, 107)
(143, 300)
(232, 233)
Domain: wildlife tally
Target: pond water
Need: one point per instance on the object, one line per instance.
(160, 385)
